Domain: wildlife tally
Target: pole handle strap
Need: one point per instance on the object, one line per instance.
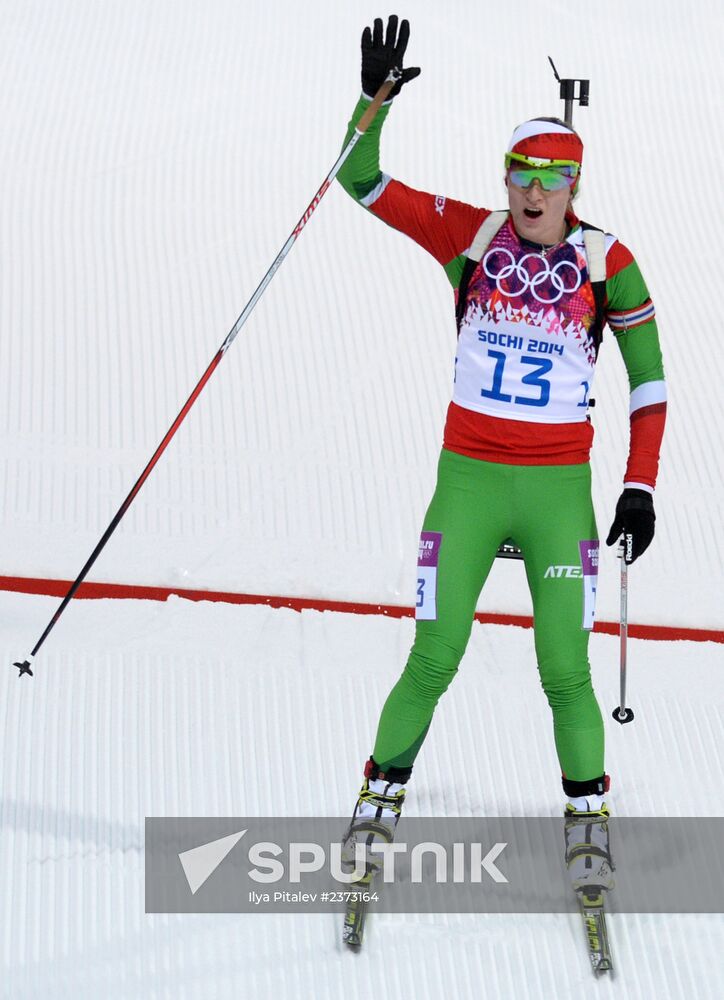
(378, 100)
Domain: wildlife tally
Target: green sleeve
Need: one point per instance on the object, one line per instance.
(641, 354)
(361, 173)
(639, 345)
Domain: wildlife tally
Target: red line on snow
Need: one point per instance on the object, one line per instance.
(95, 591)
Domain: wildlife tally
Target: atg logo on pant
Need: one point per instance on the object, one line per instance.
(587, 571)
(569, 572)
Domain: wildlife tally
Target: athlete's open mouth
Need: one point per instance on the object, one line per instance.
(532, 213)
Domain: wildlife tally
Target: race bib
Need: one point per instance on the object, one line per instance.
(427, 560)
(512, 371)
(589, 565)
(524, 350)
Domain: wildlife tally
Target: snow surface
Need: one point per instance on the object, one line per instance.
(148, 709)
(154, 158)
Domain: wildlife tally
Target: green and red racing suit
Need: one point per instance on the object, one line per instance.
(517, 438)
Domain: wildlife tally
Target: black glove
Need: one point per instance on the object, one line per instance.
(379, 57)
(635, 520)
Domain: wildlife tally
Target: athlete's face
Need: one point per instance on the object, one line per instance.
(538, 215)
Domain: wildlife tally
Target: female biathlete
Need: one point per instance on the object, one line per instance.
(536, 290)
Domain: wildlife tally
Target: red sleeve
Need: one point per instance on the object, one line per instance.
(647, 431)
(442, 226)
(617, 258)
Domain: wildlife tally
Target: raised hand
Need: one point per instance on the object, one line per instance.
(380, 55)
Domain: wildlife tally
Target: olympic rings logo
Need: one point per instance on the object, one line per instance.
(548, 276)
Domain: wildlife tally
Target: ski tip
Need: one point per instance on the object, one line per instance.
(24, 668)
(352, 939)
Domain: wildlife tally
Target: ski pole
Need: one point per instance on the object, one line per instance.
(361, 127)
(623, 714)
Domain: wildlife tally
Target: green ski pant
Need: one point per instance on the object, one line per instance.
(547, 511)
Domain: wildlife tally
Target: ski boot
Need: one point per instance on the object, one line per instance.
(588, 855)
(375, 815)
(590, 867)
(373, 822)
